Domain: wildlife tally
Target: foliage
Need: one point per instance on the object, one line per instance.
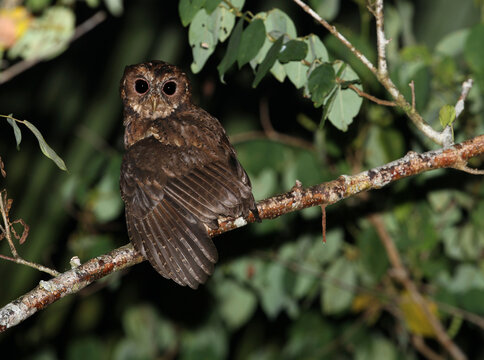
(278, 291)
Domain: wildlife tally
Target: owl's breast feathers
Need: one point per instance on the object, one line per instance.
(176, 181)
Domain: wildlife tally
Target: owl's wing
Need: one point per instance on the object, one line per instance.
(167, 211)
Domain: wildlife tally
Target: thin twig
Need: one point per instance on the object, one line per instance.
(466, 87)
(463, 167)
(265, 118)
(387, 82)
(381, 72)
(420, 345)
(24, 65)
(31, 264)
(278, 137)
(332, 29)
(6, 223)
(323, 222)
(371, 97)
(466, 315)
(412, 88)
(404, 278)
(270, 133)
(7, 232)
(382, 42)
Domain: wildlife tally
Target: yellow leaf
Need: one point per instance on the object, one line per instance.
(371, 305)
(414, 316)
(13, 24)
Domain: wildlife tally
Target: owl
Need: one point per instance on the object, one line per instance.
(178, 175)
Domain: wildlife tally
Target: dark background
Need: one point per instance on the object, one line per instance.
(74, 101)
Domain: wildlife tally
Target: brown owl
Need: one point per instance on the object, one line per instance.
(179, 174)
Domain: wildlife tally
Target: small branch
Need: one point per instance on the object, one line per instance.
(420, 345)
(371, 97)
(448, 133)
(381, 72)
(297, 199)
(7, 232)
(466, 87)
(4, 210)
(21, 66)
(323, 222)
(382, 42)
(39, 267)
(278, 137)
(466, 315)
(463, 167)
(332, 29)
(412, 88)
(270, 133)
(237, 12)
(404, 278)
(265, 118)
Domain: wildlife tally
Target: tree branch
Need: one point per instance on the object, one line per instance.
(298, 198)
(402, 276)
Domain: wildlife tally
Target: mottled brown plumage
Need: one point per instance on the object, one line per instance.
(179, 173)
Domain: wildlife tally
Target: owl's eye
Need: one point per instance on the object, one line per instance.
(141, 86)
(169, 88)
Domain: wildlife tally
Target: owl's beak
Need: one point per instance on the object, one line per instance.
(154, 104)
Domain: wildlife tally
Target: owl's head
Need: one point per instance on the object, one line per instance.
(154, 89)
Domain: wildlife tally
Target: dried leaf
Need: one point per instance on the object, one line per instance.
(8, 204)
(2, 170)
(25, 232)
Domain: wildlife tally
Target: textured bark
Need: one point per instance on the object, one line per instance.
(296, 199)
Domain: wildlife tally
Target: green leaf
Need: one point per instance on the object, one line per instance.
(371, 248)
(232, 50)
(376, 348)
(293, 50)
(474, 51)
(346, 103)
(268, 62)
(264, 184)
(237, 304)
(296, 71)
(338, 286)
(223, 21)
(320, 83)
(38, 5)
(187, 10)
(277, 24)
(453, 43)
(328, 9)
(104, 199)
(204, 342)
(252, 40)
(16, 130)
(272, 293)
(140, 324)
(115, 7)
(211, 5)
(446, 115)
(202, 40)
(46, 149)
(86, 348)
